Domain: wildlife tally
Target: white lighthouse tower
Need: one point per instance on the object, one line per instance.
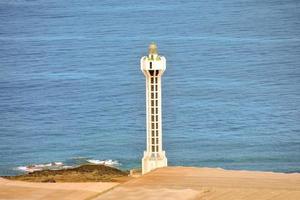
(153, 67)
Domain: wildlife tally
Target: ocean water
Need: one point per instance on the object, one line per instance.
(71, 88)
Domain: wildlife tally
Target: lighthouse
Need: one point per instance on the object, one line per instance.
(153, 67)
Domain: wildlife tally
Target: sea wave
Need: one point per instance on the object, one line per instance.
(40, 167)
(61, 165)
(104, 162)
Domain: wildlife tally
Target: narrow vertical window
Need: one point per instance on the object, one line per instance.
(151, 72)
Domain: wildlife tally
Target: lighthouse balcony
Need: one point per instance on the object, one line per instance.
(148, 64)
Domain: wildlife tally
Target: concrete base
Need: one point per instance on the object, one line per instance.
(152, 161)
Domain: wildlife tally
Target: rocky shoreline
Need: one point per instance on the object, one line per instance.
(83, 173)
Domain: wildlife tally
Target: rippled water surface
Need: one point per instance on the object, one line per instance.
(71, 86)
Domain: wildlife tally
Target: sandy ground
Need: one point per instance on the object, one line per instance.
(171, 183)
(19, 190)
(188, 183)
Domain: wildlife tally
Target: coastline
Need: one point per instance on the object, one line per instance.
(82, 173)
(179, 182)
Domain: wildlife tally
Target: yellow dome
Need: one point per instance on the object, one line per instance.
(152, 48)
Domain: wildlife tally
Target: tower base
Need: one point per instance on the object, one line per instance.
(152, 161)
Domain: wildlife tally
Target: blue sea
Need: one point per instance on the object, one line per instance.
(71, 88)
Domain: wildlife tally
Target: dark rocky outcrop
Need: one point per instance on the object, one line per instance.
(84, 173)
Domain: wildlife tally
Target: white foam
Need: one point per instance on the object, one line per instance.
(67, 167)
(60, 165)
(22, 168)
(40, 167)
(104, 162)
(29, 168)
